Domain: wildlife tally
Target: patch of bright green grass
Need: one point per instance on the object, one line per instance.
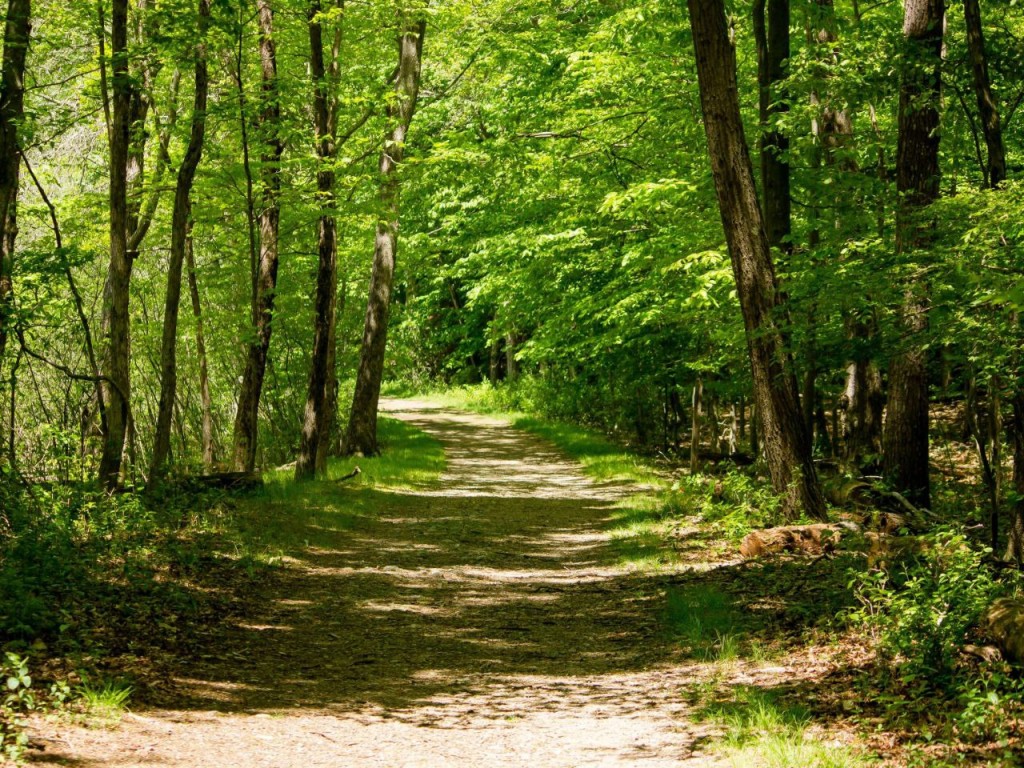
(103, 701)
(289, 516)
(759, 731)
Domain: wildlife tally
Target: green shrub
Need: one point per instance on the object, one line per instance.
(921, 611)
(17, 702)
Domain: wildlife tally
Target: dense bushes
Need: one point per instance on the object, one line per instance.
(923, 612)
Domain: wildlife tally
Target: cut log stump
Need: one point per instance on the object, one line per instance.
(816, 539)
(1004, 622)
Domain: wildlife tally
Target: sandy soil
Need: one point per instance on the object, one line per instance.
(480, 622)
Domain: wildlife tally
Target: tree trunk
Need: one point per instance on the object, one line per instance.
(494, 368)
(995, 171)
(905, 438)
(209, 457)
(787, 446)
(312, 457)
(511, 364)
(265, 277)
(1015, 550)
(12, 107)
(863, 400)
(772, 42)
(116, 320)
(361, 436)
(695, 412)
(179, 237)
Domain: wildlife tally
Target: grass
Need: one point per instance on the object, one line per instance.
(706, 621)
(760, 731)
(102, 585)
(104, 701)
(288, 516)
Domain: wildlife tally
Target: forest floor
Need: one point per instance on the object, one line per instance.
(487, 618)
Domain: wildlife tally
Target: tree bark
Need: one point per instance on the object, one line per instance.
(905, 437)
(863, 400)
(361, 436)
(312, 457)
(772, 42)
(209, 451)
(787, 446)
(247, 416)
(12, 107)
(116, 320)
(511, 364)
(179, 244)
(695, 414)
(1015, 550)
(995, 171)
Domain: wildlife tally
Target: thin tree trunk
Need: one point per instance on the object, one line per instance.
(206, 400)
(786, 442)
(863, 400)
(247, 417)
(250, 198)
(116, 320)
(495, 362)
(1015, 550)
(179, 244)
(987, 471)
(312, 457)
(12, 106)
(511, 364)
(361, 436)
(695, 414)
(995, 171)
(905, 438)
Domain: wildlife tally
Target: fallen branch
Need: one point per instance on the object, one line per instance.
(350, 475)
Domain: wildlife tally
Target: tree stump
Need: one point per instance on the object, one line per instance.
(1004, 622)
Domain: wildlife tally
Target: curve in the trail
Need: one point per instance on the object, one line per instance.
(481, 621)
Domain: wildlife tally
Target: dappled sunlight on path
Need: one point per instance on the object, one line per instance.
(483, 620)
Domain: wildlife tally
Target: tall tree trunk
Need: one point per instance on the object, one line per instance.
(179, 244)
(247, 417)
(995, 172)
(772, 43)
(361, 436)
(312, 457)
(905, 438)
(116, 320)
(787, 446)
(1015, 550)
(12, 106)
(205, 398)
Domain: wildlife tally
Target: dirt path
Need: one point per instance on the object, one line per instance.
(481, 622)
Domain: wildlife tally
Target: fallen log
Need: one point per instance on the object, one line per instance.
(1004, 623)
(862, 495)
(354, 473)
(816, 539)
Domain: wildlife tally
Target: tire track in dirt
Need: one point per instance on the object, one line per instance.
(482, 621)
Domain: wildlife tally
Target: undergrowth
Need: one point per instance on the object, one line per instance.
(761, 731)
(98, 590)
(921, 612)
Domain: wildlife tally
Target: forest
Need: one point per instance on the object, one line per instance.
(732, 290)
